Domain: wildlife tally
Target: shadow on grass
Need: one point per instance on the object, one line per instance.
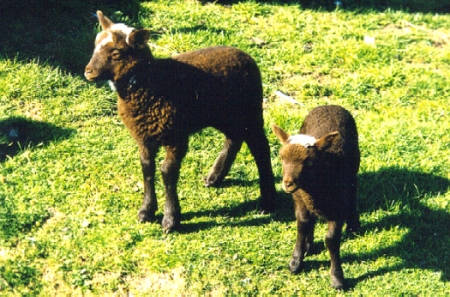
(283, 213)
(425, 6)
(60, 33)
(425, 246)
(19, 133)
(229, 182)
(199, 27)
(393, 185)
(232, 182)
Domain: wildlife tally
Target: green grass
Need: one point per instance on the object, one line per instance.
(70, 182)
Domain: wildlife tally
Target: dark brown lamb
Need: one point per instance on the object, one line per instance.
(163, 101)
(319, 169)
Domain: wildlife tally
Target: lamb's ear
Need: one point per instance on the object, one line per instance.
(326, 141)
(103, 20)
(281, 135)
(138, 38)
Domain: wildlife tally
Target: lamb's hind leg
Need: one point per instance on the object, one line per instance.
(353, 223)
(170, 171)
(149, 204)
(333, 243)
(223, 162)
(259, 147)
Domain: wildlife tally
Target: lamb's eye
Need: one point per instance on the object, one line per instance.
(115, 54)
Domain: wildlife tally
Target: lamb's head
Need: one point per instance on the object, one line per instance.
(302, 158)
(118, 48)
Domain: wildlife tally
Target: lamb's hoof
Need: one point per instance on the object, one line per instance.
(267, 205)
(337, 279)
(212, 180)
(295, 265)
(146, 216)
(337, 282)
(170, 223)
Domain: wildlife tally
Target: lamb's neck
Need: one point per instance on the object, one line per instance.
(319, 185)
(131, 80)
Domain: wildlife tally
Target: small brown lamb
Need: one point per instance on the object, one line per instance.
(319, 169)
(163, 101)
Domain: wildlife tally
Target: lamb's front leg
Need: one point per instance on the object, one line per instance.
(305, 236)
(149, 203)
(170, 170)
(333, 243)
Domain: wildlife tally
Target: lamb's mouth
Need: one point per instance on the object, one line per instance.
(290, 189)
(90, 76)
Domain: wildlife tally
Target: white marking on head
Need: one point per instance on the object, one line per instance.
(302, 139)
(123, 29)
(104, 41)
(120, 28)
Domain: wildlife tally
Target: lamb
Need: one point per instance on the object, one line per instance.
(319, 168)
(163, 101)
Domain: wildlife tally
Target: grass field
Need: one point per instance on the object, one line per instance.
(70, 179)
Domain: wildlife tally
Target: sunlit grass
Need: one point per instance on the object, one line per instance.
(70, 182)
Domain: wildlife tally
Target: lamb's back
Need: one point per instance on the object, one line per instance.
(329, 118)
(226, 85)
(220, 61)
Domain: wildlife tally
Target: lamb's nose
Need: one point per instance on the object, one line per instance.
(88, 72)
(288, 183)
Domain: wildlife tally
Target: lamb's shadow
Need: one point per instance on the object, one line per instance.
(19, 133)
(229, 182)
(232, 182)
(283, 213)
(199, 27)
(425, 245)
